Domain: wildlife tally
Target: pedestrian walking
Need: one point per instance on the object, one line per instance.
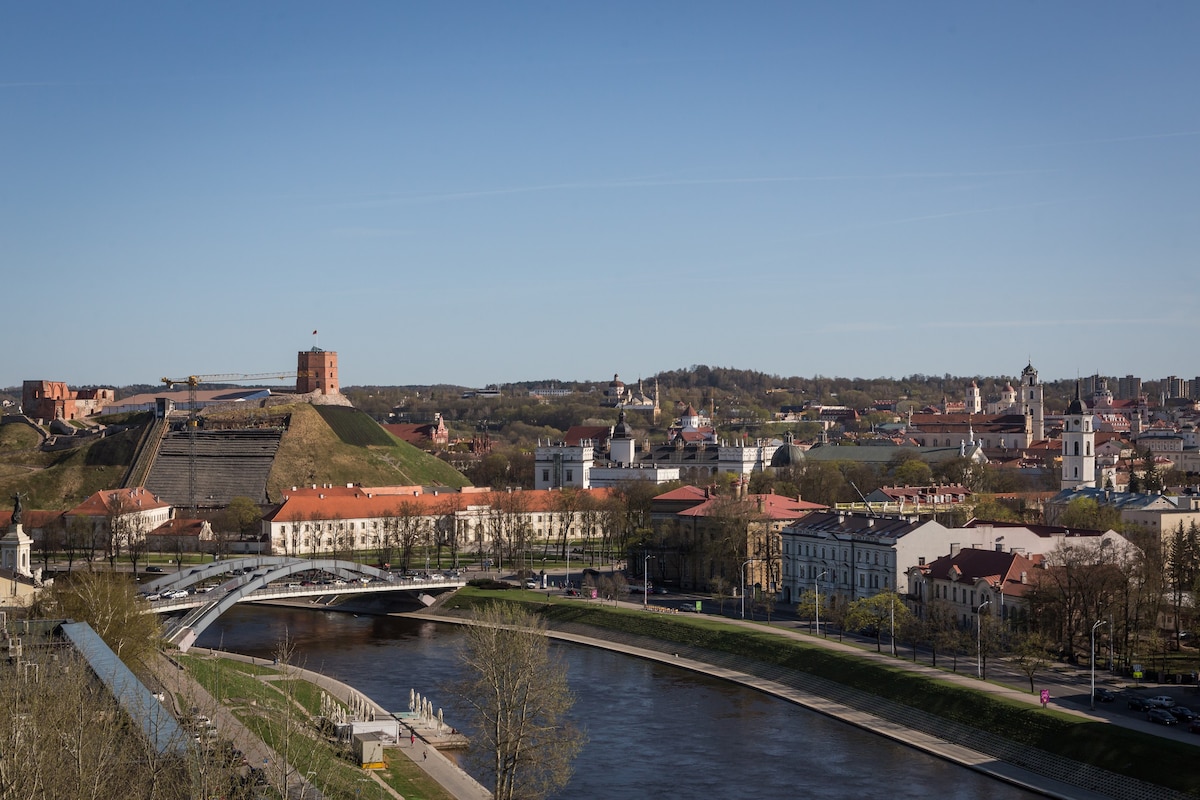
(425, 755)
(412, 738)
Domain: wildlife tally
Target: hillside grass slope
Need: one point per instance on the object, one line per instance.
(56, 481)
(323, 444)
(339, 445)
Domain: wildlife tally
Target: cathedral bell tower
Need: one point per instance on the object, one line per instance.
(1079, 446)
(1031, 403)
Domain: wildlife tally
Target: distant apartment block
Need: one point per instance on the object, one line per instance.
(51, 400)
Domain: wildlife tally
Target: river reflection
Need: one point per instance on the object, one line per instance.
(653, 731)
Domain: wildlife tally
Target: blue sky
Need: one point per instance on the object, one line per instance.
(473, 193)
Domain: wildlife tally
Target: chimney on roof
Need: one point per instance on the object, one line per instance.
(1024, 576)
(321, 496)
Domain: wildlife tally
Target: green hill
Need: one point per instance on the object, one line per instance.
(340, 445)
(323, 444)
(62, 479)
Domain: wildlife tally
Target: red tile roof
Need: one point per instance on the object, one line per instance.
(135, 499)
(773, 506)
(367, 505)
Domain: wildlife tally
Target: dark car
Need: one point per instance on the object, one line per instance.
(1161, 716)
(154, 569)
(1194, 726)
(1141, 704)
(1104, 695)
(1182, 713)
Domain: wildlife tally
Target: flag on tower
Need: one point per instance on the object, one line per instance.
(314, 333)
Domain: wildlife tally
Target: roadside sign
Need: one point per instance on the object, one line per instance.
(699, 606)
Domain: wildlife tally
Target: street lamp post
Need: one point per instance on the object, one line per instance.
(1097, 624)
(979, 637)
(817, 607)
(646, 580)
(744, 563)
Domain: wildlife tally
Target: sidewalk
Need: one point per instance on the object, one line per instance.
(449, 775)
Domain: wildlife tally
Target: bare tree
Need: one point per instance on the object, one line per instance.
(77, 540)
(64, 738)
(521, 700)
(1030, 654)
(410, 530)
(107, 602)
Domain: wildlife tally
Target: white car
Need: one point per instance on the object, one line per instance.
(1163, 701)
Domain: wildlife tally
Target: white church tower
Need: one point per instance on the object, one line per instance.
(1079, 446)
(974, 402)
(622, 448)
(1031, 403)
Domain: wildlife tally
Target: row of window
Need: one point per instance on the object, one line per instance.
(863, 555)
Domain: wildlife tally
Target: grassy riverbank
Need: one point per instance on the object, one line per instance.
(1127, 752)
(282, 710)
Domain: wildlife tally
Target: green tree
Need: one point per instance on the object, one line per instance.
(1086, 513)
(912, 472)
(242, 516)
(520, 698)
(877, 613)
(1152, 481)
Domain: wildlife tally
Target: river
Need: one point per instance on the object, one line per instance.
(654, 731)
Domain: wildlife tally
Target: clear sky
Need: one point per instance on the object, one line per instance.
(479, 192)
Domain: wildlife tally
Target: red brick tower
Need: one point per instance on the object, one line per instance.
(316, 371)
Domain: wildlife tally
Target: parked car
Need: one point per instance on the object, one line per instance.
(1140, 704)
(1194, 725)
(1182, 713)
(1104, 695)
(1163, 701)
(1161, 716)
(154, 569)
(531, 583)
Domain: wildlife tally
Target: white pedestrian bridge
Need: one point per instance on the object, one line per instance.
(259, 578)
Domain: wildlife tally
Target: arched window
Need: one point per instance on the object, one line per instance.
(1077, 448)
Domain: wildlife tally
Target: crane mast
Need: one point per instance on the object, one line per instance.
(192, 382)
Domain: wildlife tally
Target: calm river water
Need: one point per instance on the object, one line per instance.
(653, 731)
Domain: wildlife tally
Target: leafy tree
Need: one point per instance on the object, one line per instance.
(521, 701)
(913, 472)
(1085, 513)
(1152, 481)
(876, 613)
(242, 516)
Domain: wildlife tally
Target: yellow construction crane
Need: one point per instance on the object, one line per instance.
(193, 381)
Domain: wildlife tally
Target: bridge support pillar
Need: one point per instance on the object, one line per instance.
(187, 639)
